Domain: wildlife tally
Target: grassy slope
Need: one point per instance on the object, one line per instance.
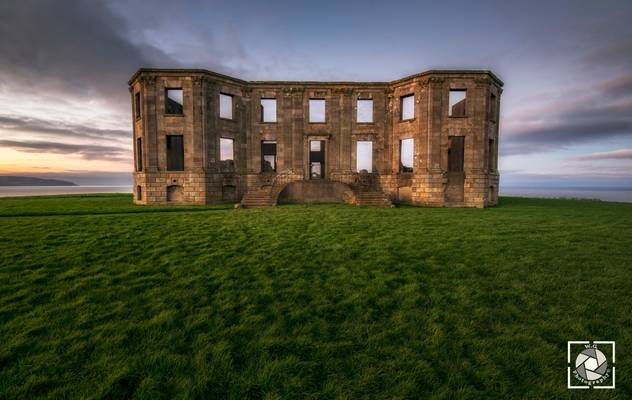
(328, 301)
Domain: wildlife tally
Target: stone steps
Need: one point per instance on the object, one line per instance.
(258, 198)
(266, 198)
(373, 199)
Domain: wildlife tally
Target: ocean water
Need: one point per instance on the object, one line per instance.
(10, 191)
(604, 194)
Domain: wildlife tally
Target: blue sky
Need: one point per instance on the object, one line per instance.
(566, 111)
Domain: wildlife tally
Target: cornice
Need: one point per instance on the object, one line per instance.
(431, 75)
(148, 79)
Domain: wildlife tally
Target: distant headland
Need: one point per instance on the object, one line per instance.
(8, 180)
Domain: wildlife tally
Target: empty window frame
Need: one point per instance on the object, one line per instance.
(364, 156)
(407, 106)
(137, 104)
(364, 111)
(317, 110)
(406, 150)
(268, 110)
(456, 102)
(226, 149)
(225, 106)
(174, 102)
(175, 153)
(139, 193)
(139, 155)
(317, 159)
(268, 156)
(493, 103)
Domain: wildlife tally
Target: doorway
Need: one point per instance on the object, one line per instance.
(316, 159)
(456, 176)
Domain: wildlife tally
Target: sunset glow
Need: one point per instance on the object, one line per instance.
(566, 109)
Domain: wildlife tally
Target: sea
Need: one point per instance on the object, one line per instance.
(593, 193)
(20, 191)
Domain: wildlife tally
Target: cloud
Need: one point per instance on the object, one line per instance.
(619, 179)
(57, 55)
(621, 86)
(87, 151)
(59, 129)
(64, 65)
(614, 52)
(71, 46)
(599, 112)
(622, 154)
(551, 137)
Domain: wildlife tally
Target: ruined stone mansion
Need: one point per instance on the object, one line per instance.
(201, 137)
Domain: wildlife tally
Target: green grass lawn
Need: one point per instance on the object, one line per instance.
(103, 299)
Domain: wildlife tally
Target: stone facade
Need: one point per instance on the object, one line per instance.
(455, 157)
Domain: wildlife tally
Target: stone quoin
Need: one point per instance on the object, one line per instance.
(201, 137)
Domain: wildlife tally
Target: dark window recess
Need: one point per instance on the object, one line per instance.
(490, 155)
(406, 155)
(137, 104)
(492, 107)
(457, 102)
(455, 154)
(229, 193)
(454, 190)
(139, 193)
(174, 101)
(268, 156)
(175, 153)
(139, 154)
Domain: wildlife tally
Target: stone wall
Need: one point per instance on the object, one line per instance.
(313, 191)
(206, 179)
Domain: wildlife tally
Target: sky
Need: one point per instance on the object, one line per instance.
(566, 109)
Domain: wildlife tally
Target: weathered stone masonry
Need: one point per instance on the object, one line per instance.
(455, 157)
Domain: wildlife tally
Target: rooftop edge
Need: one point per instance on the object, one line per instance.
(241, 81)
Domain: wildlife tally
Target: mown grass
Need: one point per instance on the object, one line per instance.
(88, 204)
(103, 299)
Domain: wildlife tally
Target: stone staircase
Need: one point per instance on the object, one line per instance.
(373, 198)
(364, 193)
(259, 198)
(367, 192)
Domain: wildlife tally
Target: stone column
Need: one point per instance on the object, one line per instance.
(298, 118)
(211, 124)
(150, 89)
(476, 176)
(428, 182)
(284, 130)
(245, 123)
(198, 98)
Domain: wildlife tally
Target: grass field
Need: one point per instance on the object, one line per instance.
(103, 299)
